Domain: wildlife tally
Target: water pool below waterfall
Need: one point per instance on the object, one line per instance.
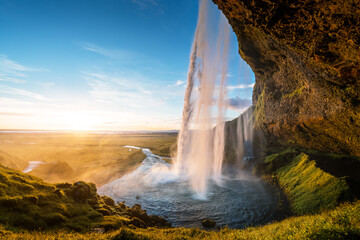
(238, 202)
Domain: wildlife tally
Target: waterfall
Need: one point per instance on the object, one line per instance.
(245, 136)
(200, 144)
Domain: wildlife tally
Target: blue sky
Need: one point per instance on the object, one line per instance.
(104, 65)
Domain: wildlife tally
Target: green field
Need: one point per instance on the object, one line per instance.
(97, 158)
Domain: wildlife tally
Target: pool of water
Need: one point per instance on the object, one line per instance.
(239, 201)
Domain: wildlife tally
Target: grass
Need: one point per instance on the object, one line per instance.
(309, 188)
(97, 158)
(340, 223)
(27, 202)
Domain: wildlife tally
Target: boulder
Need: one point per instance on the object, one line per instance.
(208, 223)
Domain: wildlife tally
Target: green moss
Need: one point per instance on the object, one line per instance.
(259, 112)
(276, 156)
(309, 188)
(297, 91)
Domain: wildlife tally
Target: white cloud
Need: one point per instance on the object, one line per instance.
(127, 57)
(22, 92)
(11, 71)
(12, 101)
(4, 78)
(177, 83)
(112, 53)
(119, 54)
(241, 86)
(121, 89)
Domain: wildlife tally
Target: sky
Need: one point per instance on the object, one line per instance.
(102, 64)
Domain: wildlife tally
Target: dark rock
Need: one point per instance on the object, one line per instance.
(306, 59)
(137, 222)
(136, 207)
(146, 221)
(208, 223)
(108, 201)
(122, 205)
(82, 192)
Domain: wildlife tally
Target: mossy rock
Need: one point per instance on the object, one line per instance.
(108, 201)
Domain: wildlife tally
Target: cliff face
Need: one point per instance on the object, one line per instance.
(306, 58)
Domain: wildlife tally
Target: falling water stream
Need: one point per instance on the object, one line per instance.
(196, 186)
(200, 146)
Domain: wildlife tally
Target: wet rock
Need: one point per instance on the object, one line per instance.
(147, 221)
(208, 223)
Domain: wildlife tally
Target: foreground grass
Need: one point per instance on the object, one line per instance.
(340, 223)
(27, 202)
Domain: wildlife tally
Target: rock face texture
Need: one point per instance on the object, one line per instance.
(306, 58)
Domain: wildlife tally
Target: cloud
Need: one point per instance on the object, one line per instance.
(22, 92)
(112, 53)
(11, 71)
(238, 103)
(145, 3)
(177, 83)
(241, 86)
(128, 57)
(16, 114)
(10, 79)
(121, 89)
(12, 101)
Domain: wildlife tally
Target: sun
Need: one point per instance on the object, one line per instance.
(79, 122)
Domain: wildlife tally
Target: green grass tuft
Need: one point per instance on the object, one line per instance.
(308, 187)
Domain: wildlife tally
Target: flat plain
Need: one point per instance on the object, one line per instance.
(73, 156)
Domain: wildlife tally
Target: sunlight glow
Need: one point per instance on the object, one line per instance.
(79, 122)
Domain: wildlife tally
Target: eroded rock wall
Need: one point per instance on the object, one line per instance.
(306, 59)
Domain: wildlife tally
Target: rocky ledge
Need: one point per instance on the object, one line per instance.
(306, 58)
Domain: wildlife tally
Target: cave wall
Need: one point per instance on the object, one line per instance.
(306, 59)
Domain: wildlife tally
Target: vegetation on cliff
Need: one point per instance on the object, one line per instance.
(310, 179)
(27, 202)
